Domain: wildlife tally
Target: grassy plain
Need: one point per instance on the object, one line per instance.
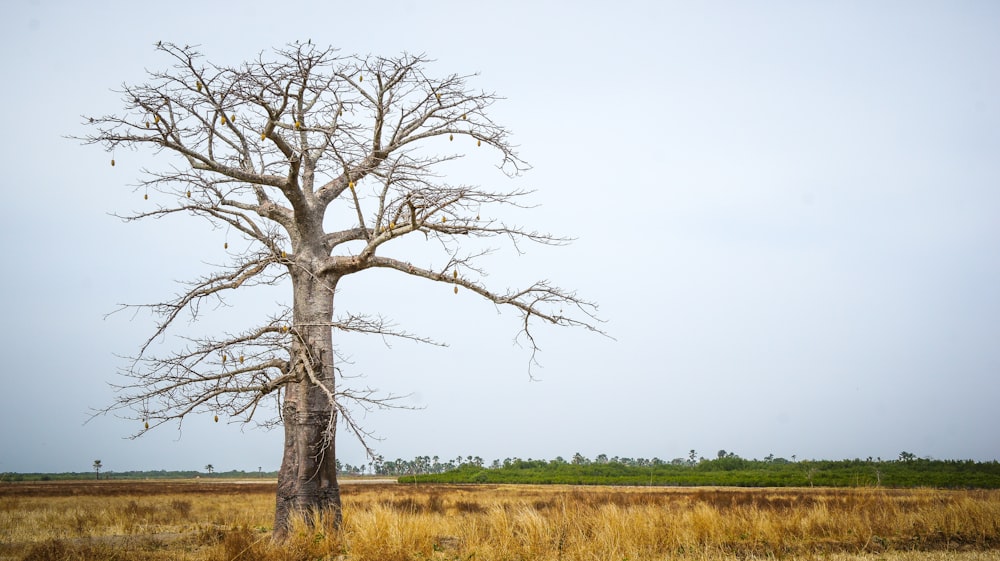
(201, 521)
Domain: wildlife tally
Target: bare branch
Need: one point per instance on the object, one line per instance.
(541, 300)
(248, 271)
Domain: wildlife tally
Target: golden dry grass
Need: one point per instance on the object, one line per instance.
(189, 521)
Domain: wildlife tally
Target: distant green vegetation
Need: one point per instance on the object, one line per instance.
(156, 474)
(726, 469)
(731, 470)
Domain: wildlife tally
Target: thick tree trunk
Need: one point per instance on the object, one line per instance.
(307, 480)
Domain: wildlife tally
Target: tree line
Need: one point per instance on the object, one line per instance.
(421, 465)
(726, 468)
(729, 469)
(107, 474)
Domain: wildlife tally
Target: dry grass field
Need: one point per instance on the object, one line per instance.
(230, 521)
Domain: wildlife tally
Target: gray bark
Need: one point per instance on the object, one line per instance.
(307, 480)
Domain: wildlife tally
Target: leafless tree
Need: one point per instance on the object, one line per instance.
(320, 161)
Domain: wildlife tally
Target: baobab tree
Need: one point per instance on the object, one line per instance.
(321, 162)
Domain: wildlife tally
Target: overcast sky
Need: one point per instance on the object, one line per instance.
(789, 215)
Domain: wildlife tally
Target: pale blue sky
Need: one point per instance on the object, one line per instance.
(789, 213)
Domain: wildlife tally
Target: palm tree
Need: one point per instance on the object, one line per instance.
(209, 468)
(97, 468)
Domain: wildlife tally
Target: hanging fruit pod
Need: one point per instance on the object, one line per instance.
(232, 118)
(463, 116)
(145, 197)
(216, 418)
(147, 124)
(112, 162)
(451, 137)
(456, 290)
(283, 255)
(223, 359)
(351, 185)
(145, 425)
(198, 85)
(361, 78)
(454, 274)
(298, 125)
(225, 245)
(444, 219)
(392, 225)
(479, 143)
(241, 359)
(156, 119)
(189, 194)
